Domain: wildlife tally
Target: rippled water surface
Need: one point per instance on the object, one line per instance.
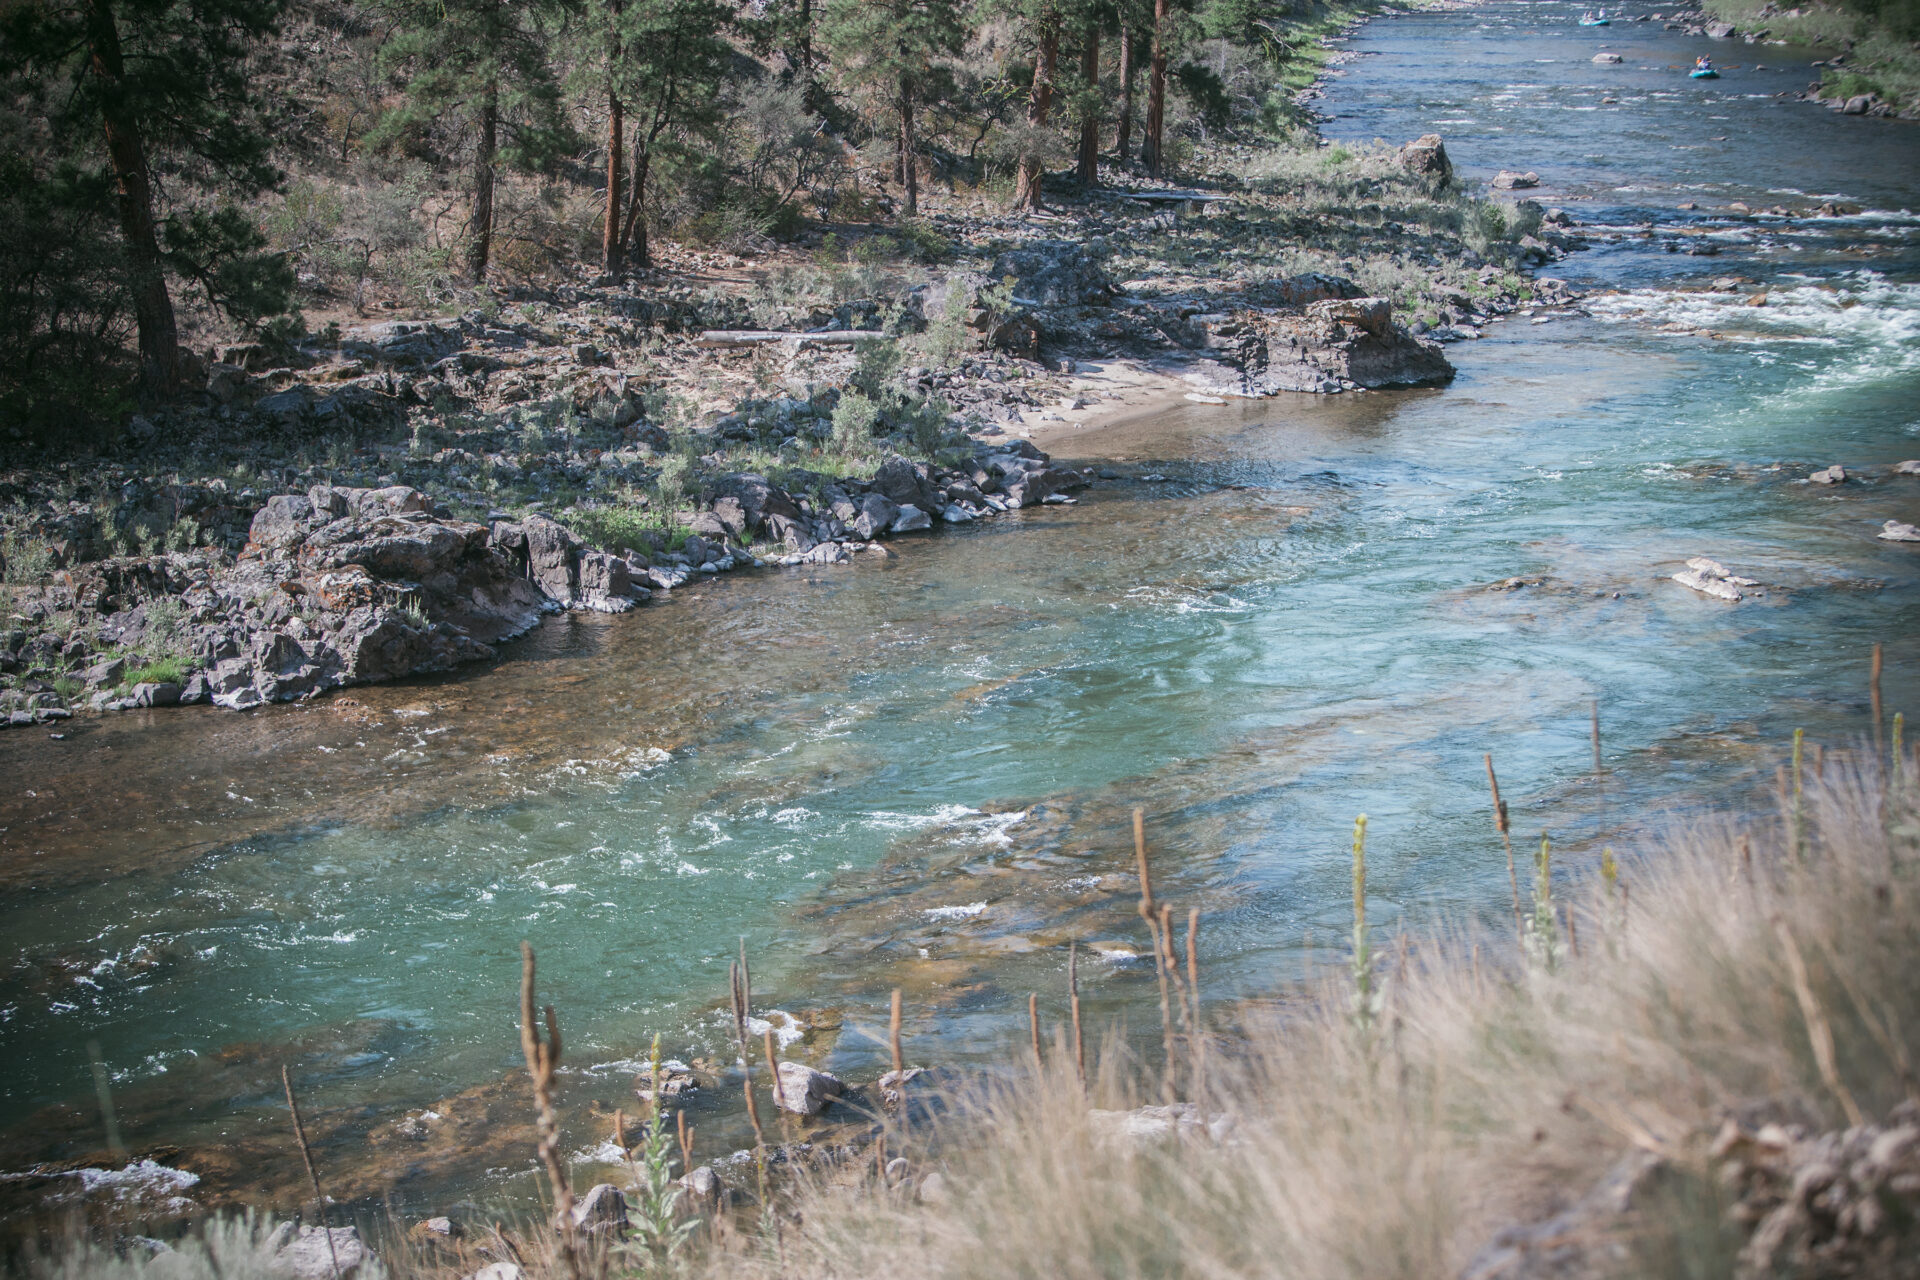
(917, 771)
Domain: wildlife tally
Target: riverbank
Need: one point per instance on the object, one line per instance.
(597, 444)
(1871, 68)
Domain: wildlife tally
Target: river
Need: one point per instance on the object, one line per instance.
(918, 771)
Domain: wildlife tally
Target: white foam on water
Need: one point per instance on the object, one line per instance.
(966, 912)
(785, 1027)
(985, 828)
(1875, 322)
(605, 1152)
(146, 1183)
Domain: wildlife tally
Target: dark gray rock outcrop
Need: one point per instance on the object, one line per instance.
(1337, 344)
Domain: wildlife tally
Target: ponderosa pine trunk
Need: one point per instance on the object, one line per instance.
(1152, 151)
(616, 144)
(1026, 191)
(909, 162)
(133, 192)
(641, 249)
(1089, 169)
(611, 239)
(1123, 136)
(480, 235)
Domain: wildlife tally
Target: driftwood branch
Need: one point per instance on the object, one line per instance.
(763, 337)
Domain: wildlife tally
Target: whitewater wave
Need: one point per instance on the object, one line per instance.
(1871, 321)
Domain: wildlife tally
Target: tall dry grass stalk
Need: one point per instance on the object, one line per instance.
(1151, 912)
(1506, 838)
(543, 1061)
(313, 1174)
(1777, 985)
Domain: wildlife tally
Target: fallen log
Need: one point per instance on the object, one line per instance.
(761, 337)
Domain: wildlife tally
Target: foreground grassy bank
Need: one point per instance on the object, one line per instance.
(1700, 1065)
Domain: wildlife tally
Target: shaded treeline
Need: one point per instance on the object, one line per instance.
(188, 170)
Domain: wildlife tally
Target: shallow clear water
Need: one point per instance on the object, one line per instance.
(918, 771)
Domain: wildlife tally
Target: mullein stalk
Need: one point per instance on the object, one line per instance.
(1506, 839)
(1543, 929)
(1797, 817)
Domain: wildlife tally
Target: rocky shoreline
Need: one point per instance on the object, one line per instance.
(317, 577)
(580, 444)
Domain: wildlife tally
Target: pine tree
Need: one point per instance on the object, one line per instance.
(1152, 148)
(891, 51)
(139, 82)
(665, 78)
(1088, 98)
(482, 64)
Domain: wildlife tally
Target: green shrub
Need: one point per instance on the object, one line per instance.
(877, 360)
(670, 486)
(922, 240)
(853, 421)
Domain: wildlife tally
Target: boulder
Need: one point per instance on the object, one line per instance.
(282, 524)
(910, 519)
(703, 1187)
(106, 673)
(749, 500)
(1608, 59)
(601, 1211)
(1508, 180)
(804, 1091)
(875, 516)
(1722, 30)
(319, 1253)
(552, 557)
(1858, 105)
(904, 483)
(156, 694)
(1427, 157)
(1831, 475)
(1336, 345)
(607, 584)
(1054, 273)
(226, 382)
(1372, 315)
(1898, 531)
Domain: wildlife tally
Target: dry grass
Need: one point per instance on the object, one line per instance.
(1489, 1093)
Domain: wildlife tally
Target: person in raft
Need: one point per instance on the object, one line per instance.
(1703, 63)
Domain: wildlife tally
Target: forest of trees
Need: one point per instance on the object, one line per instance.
(219, 158)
